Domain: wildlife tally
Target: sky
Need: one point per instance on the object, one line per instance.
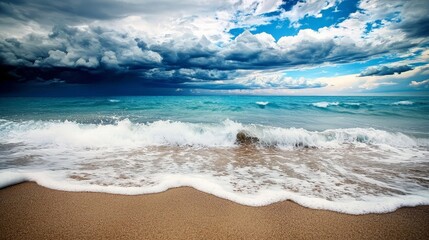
(248, 47)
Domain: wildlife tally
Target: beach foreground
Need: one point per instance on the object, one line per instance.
(31, 211)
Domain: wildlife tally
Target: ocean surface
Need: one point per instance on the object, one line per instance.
(354, 155)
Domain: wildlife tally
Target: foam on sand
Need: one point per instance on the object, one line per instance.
(369, 204)
(353, 170)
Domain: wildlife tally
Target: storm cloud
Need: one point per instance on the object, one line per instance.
(385, 70)
(187, 44)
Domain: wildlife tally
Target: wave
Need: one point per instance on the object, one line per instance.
(173, 133)
(403, 103)
(340, 104)
(352, 103)
(262, 103)
(114, 100)
(352, 170)
(325, 104)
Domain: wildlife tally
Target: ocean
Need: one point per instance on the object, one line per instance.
(354, 155)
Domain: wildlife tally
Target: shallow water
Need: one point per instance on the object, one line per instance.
(348, 154)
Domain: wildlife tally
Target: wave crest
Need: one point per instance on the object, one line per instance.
(124, 133)
(325, 104)
(403, 103)
(353, 170)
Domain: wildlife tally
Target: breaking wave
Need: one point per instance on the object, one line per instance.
(351, 170)
(175, 133)
(325, 104)
(403, 103)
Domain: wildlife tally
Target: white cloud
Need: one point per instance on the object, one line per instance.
(91, 62)
(421, 84)
(310, 8)
(266, 6)
(353, 83)
(372, 85)
(270, 80)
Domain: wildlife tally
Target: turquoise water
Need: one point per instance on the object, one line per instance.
(354, 155)
(405, 114)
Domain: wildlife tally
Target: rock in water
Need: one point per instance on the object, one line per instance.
(245, 138)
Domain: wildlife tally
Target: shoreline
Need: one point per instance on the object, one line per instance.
(31, 211)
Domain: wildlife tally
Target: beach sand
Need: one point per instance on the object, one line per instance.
(28, 211)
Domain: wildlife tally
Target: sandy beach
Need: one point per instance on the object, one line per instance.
(29, 211)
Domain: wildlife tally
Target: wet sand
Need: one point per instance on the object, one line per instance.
(28, 211)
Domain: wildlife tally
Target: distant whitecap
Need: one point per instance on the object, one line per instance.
(262, 103)
(403, 103)
(325, 104)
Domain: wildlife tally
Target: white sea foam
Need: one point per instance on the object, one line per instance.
(352, 103)
(127, 134)
(262, 103)
(403, 103)
(114, 100)
(354, 170)
(325, 104)
(367, 204)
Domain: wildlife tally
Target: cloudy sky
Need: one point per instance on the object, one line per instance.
(289, 47)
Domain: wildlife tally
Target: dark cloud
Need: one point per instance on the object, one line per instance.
(102, 56)
(385, 70)
(96, 55)
(47, 11)
(73, 50)
(415, 19)
(416, 27)
(71, 47)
